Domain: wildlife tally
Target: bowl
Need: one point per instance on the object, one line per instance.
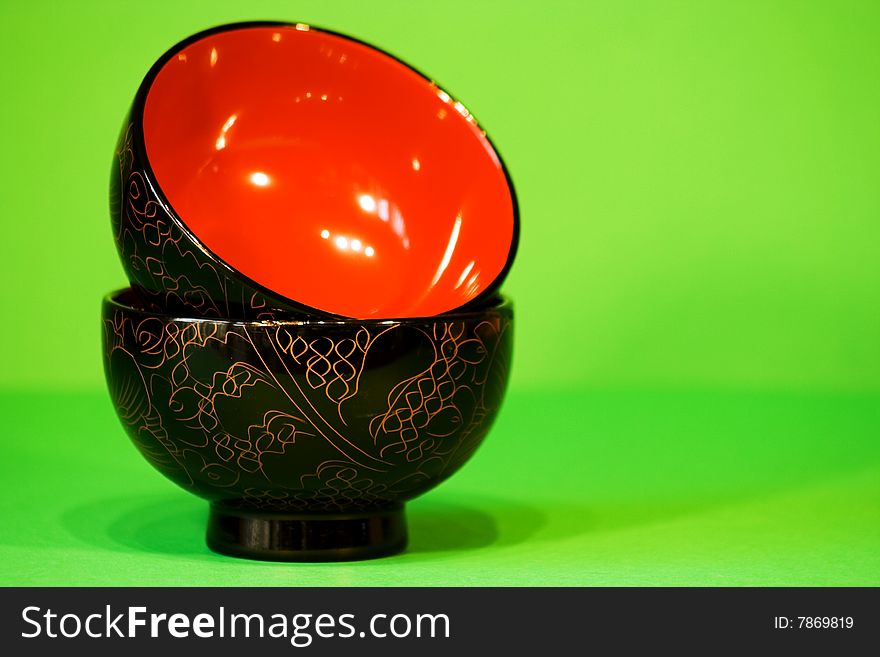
(270, 168)
(306, 436)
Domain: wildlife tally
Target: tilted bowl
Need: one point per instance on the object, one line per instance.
(270, 167)
(306, 436)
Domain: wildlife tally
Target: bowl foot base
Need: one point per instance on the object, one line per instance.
(272, 536)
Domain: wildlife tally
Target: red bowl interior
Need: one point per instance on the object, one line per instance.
(329, 172)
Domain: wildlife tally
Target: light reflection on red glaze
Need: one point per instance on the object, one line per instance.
(328, 172)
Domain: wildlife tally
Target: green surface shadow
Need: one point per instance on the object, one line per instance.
(175, 525)
(159, 524)
(443, 526)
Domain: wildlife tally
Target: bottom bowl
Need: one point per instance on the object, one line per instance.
(306, 436)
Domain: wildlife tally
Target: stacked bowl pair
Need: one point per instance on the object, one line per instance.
(315, 235)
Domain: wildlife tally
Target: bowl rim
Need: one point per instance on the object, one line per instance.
(499, 303)
(136, 117)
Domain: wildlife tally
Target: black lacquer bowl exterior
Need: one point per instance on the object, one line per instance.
(306, 436)
(176, 267)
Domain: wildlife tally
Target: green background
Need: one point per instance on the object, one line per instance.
(696, 390)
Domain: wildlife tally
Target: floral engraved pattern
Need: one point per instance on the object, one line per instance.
(315, 418)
